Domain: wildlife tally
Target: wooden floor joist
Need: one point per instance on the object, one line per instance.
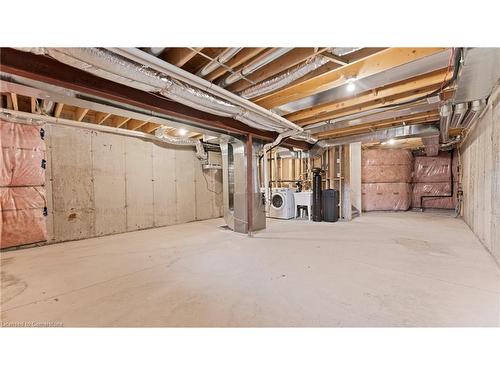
(368, 66)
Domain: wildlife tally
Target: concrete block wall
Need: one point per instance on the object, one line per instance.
(100, 183)
(480, 160)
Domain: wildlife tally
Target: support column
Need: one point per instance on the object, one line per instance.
(249, 150)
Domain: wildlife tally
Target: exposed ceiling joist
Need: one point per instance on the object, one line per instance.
(100, 117)
(365, 67)
(15, 104)
(242, 57)
(179, 56)
(80, 113)
(58, 110)
(134, 124)
(294, 57)
(383, 95)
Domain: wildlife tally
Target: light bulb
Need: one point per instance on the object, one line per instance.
(351, 86)
(391, 141)
(182, 131)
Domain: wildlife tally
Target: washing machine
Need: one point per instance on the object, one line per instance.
(282, 203)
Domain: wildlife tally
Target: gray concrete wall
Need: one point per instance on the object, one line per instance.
(480, 157)
(101, 183)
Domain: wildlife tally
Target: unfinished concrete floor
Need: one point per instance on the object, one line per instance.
(383, 269)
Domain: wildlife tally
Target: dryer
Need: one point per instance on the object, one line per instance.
(282, 203)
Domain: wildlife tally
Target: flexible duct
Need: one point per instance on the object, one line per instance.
(112, 66)
(224, 57)
(182, 141)
(284, 79)
(254, 65)
(341, 51)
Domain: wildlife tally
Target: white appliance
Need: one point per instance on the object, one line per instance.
(282, 203)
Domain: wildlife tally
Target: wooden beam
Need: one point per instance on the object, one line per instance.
(33, 104)
(134, 124)
(119, 121)
(58, 110)
(396, 99)
(9, 101)
(368, 66)
(100, 117)
(15, 104)
(179, 56)
(241, 57)
(149, 127)
(384, 94)
(336, 59)
(294, 57)
(80, 113)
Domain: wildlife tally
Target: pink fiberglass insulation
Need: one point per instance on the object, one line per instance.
(22, 213)
(431, 192)
(21, 136)
(21, 227)
(386, 196)
(386, 157)
(432, 169)
(22, 167)
(386, 173)
(22, 198)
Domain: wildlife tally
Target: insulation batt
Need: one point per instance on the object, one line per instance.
(20, 136)
(21, 210)
(386, 173)
(386, 196)
(386, 157)
(432, 169)
(22, 167)
(433, 188)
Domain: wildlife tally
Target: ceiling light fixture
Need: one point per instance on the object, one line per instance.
(351, 86)
(391, 141)
(182, 131)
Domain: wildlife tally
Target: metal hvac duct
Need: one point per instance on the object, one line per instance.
(234, 186)
(139, 74)
(284, 79)
(341, 51)
(458, 114)
(479, 73)
(161, 133)
(475, 109)
(444, 122)
(405, 131)
(259, 62)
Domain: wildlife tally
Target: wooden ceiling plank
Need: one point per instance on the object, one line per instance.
(407, 86)
(368, 66)
(80, 113)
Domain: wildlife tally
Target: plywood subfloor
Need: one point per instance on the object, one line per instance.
(383, 269)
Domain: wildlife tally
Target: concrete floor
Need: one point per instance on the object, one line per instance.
(383, 269)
